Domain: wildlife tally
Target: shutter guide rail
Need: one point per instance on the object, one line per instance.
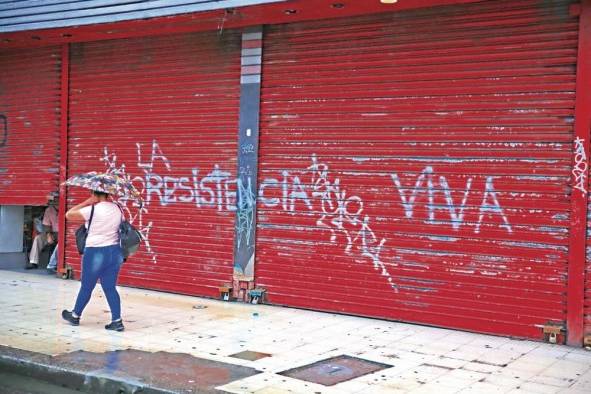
(580, 183)
(64, 118)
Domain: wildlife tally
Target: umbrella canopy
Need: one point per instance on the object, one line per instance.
(113, 184)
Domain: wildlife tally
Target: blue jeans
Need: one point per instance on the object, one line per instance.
(53, 260)
(100, 263)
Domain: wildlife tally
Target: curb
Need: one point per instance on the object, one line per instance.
(40, 367)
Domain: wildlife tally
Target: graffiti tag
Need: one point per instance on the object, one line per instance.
(581, 166)
(313, 189)
(134, 212)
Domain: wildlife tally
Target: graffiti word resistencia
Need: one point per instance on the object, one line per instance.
(215, 189)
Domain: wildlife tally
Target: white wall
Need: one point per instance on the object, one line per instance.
(12, 218)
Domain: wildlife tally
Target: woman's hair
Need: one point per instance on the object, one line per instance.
(100, 194)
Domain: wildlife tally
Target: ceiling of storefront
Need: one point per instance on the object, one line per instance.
(48, 14)
(61, 21)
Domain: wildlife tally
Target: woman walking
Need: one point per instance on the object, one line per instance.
(102, 257)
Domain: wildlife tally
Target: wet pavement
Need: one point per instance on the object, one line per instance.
(177, 372)
(120, 371)
(175, 343)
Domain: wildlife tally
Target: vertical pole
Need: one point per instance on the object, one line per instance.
(248, 146)
(64, 109)
(578, 228)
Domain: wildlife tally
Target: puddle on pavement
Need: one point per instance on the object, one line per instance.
(178, 372)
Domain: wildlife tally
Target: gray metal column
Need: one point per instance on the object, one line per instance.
(248, 145)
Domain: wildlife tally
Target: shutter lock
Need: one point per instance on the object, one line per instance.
(553, 332)
(226, 292)
(256, 295)
(67, 272)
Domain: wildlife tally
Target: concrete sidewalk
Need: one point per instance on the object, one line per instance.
(198, 337)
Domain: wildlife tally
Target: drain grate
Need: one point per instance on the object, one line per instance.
(335, 370)
(250, 355)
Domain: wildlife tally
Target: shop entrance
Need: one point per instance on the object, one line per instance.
(19, 225)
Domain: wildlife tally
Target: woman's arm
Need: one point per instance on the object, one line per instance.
(74, 212)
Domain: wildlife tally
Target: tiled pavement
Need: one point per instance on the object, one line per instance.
(422, 359)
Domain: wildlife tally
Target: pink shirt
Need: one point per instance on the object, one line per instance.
(50, 218)
(104, 229)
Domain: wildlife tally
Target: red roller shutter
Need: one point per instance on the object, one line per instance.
(164, 110)
(29, 125)
(415, 165)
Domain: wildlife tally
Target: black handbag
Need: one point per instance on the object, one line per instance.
(129, 237)
(82, 233)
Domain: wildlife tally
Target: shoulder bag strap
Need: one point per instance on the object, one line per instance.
(123, 219)
(91, 215)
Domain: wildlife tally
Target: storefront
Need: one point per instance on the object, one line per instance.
(29, 142)
(421, 164)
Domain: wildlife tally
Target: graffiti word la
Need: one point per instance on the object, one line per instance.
(439, 198)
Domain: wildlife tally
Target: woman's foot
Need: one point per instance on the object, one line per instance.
(70, 318)
(116, 325)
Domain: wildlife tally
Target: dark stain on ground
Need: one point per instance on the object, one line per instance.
(177, 372)
(250, 355)
(335, 370)
(124, 371)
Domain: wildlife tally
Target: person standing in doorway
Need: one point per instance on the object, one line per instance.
(46, 236)
(102, 257)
